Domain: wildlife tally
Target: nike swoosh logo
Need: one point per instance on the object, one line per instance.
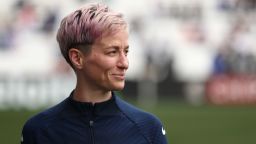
(163, 131)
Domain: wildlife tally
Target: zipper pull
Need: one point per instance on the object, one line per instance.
(91, 123)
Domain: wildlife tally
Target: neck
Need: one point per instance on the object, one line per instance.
(86, 93)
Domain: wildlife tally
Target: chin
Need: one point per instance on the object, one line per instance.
(118, 86)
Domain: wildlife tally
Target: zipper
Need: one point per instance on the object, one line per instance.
(91, 122)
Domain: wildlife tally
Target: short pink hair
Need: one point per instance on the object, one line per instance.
(83, 26)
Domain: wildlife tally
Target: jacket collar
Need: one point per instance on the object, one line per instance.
(108, 107)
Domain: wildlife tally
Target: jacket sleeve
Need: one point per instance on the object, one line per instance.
(28, 135)
(160, 134)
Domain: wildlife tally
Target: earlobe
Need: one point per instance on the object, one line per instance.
(76, 58)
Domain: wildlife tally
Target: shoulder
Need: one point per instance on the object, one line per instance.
(42, 120)
(135, 114)
(148, 124)
(48, 115)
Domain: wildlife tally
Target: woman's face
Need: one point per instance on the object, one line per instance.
(106, 64)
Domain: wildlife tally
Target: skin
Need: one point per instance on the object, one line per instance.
(103, 69)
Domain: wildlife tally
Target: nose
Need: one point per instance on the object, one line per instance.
(123, 61)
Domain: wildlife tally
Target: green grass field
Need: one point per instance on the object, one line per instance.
(185, 124)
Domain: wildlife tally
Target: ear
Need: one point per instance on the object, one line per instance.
(76, 58)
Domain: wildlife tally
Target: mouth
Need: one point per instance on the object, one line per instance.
(119, 76)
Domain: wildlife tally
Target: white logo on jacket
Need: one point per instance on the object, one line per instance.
(163, 131)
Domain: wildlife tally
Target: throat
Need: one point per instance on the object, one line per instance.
(91, 97)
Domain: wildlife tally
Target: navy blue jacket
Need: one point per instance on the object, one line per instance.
(110, 122)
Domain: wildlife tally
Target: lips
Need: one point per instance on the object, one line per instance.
(119, 76)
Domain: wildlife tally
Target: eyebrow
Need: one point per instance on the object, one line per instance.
(115, 47)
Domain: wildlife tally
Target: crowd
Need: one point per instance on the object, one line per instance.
(188, 40)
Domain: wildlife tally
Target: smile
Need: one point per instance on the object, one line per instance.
(119, 76)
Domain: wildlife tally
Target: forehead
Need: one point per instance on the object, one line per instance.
(119, 38)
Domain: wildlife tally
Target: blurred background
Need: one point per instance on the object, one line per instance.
(192, 63)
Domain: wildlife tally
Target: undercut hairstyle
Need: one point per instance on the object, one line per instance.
(82, 27)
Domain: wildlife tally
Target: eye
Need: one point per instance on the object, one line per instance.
(126, 51)
(112, 52)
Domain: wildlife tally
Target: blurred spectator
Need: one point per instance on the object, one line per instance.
(237, 52)
(226, 5)
(26, 17)
(237, 5)
(157, 59)
(6, 35)
(49, 21)
(246, 5)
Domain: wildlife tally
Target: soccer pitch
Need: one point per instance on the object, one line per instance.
(185, 124)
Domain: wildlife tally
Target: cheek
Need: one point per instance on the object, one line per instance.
(108, 65)
(103, 65)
